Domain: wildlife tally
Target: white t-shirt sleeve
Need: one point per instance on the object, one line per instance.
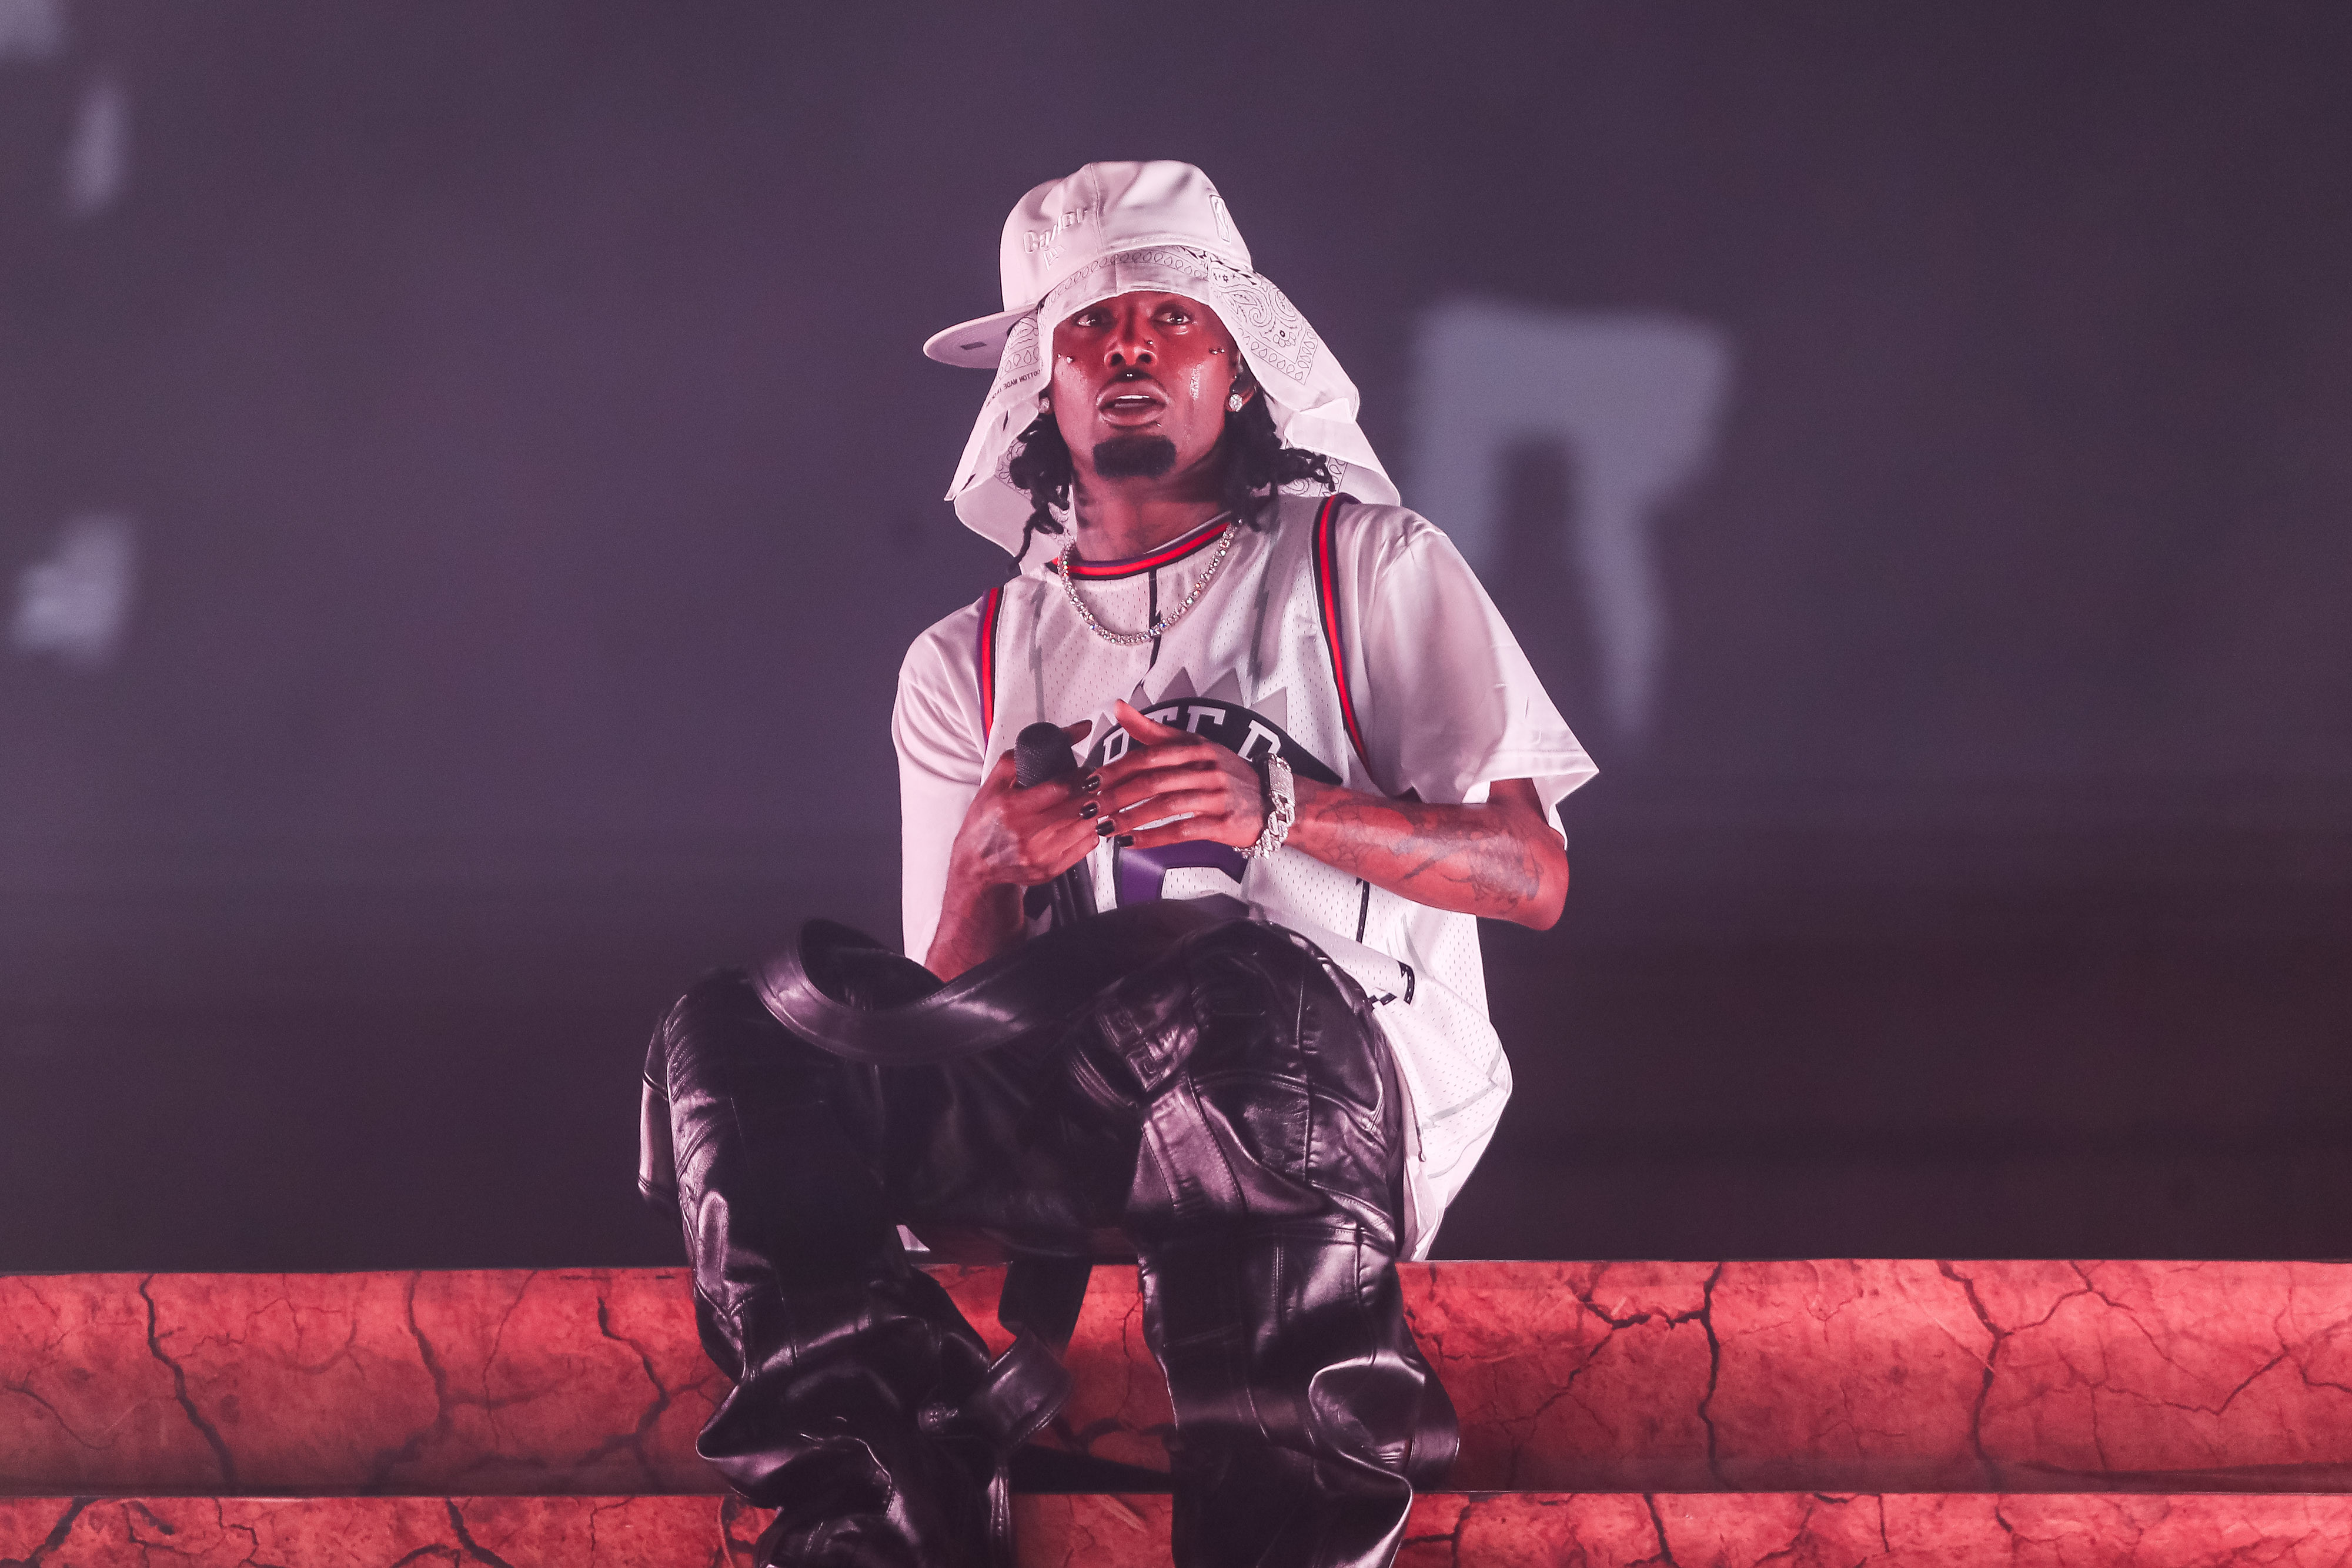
(1448, 700)
(941, 753)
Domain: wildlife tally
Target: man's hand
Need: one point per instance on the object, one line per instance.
(1169, 773)
(1499, 859)
(1020, 837)
(1011, 839)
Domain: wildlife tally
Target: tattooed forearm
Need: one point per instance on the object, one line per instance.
(1500, 858)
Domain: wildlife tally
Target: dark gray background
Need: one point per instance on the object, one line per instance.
(535, 482)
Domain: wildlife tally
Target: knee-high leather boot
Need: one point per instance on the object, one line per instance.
(1304, 1415)
(1265, 1161)
(848, 1362)
(1264, 1214)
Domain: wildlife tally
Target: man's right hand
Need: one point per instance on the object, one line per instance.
(1011, 839)
(1020, 837)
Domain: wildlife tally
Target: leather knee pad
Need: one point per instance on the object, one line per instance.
(1264, 1087)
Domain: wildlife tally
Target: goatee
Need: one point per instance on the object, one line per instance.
(1135, 456)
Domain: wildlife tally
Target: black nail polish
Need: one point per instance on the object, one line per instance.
(1125, 841)
(1090, 783)
(1088, 809)
(1105, 828)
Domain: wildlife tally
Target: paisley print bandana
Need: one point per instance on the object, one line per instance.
(1313, 402)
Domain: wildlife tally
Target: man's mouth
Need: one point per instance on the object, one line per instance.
(1130, 402)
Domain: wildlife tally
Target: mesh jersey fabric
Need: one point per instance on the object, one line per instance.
(1446, 704)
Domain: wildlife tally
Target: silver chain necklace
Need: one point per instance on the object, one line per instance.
(1159, 628)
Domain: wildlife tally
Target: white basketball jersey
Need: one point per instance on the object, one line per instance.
(1266, 662)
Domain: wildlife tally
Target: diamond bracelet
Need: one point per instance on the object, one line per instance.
(1281, 809)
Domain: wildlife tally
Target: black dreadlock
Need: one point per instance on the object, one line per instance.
(1256, 465)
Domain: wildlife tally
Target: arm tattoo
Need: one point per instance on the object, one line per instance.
(1484, 859)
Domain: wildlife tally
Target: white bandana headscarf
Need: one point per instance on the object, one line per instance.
(1311, 399)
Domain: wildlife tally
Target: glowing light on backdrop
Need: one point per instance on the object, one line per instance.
(98, 154)
(75, 604)
(32, 29)
(1636, 399)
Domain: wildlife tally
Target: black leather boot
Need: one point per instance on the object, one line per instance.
(1213, 1083)
(1304, 1420)
(850, 1365)
(1264, 1211)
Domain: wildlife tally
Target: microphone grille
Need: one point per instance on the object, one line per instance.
(1041, 752)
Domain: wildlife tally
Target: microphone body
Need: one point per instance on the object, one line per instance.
(1040, 753)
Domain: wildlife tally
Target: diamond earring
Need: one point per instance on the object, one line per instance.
(1044, 402)
(1233, 403)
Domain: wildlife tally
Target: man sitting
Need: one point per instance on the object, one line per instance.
(1226, 966)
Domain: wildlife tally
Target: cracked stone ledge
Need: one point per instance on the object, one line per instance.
(1450, 1529)
(1837, 1376)
(280, 1532)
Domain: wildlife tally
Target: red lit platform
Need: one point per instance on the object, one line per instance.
(1844, 1411)
(1448, 1529)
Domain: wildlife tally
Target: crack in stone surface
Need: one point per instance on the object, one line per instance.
(422, 1552)
(210, 1433)
(1657, 1520)
(56, 1536)
(49, 1348)
(2102, 1384)
(390, 1457)
(1705, 1317)
(474, 1549)
(1985, 1461)
(1526, 1427)
(1469, 1508)
(1522, 1428)
(220, 1521)
(648, 1419)
(26, 1390)
(448, 1400)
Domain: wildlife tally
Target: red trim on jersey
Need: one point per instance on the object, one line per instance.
(1327, 599)
(987, 664)
(1201, 538)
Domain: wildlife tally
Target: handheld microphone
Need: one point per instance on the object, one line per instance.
(1041, 752)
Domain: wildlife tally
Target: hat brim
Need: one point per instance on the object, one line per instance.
(977, 344)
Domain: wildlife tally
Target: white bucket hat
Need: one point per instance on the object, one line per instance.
(1116, 228)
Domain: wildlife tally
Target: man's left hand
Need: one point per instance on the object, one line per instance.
(1500, 858)
(1166, 772)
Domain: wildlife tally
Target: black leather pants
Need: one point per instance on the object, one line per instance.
(1213, 1088)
